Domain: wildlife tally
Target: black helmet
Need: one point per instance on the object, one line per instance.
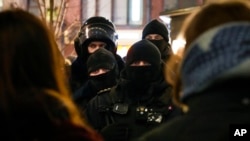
(99, 19)
(97, 29)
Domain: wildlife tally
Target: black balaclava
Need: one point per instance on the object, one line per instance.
(102, 58)
(157, 27)
(142, 76)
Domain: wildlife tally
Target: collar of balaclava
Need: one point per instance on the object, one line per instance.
(136, 91)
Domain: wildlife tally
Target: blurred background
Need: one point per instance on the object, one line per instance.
(64, 17)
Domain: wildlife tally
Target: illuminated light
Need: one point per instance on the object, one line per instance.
(86, 32)
(167, 20)
(126, 39)
(177, 45)
(122, 50)
(129, 35)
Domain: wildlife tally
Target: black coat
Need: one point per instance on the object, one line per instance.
(83, 95)
(118, 108)
(211, 113)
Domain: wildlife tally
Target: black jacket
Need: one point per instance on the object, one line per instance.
(137, 115)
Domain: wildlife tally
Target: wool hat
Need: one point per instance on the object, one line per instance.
(101, 58)
(155, 27)
(143, 50)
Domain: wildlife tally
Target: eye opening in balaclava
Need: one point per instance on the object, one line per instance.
(140, 63)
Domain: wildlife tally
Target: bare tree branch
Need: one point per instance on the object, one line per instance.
(41, 11)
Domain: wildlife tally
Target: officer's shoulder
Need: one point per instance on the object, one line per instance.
(104, 91)
(109, 94)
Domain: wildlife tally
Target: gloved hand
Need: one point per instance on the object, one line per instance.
(115, 132)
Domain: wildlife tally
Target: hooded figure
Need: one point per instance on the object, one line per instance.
(102, 59)
(139, 102)
(140, 78)
(157, 27)
(103, 65)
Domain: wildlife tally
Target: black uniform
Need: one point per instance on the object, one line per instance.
(140, 101)
(104, 59)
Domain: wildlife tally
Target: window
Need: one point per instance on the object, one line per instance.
(121, 12)
(128, 12)
(96, 8)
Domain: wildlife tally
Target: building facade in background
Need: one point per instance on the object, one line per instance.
(64, 17)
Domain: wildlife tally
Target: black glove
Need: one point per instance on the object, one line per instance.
(115, 132)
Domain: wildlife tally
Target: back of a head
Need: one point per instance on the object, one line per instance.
(218, 44)
(96, 29)
(26, 47)
(225, 10)
(31, 65)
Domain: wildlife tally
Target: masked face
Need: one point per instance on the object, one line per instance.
(142, 75)
(142, 64)
(140, 80)
(104, 80)
(99, 72)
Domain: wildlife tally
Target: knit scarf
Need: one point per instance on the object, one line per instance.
(220, 53)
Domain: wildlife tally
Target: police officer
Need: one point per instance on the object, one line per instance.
(156, 32)
(103, 74)
(139, 102)
(95, 32)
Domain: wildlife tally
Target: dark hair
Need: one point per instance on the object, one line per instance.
(210, 15)
(31, 64)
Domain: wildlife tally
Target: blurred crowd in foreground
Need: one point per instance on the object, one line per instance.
(150, 95)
